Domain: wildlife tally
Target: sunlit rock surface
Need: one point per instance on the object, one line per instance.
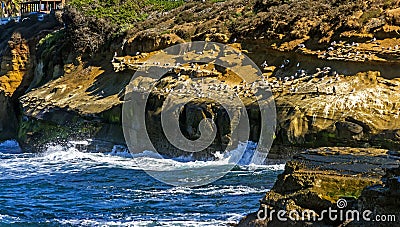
(336, 110)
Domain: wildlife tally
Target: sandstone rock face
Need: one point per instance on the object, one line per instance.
(331, 110)
(217, 37)
(144, 42)
(343, 107)
(201, 92)
(314, 110)
(393, 16)
(84, 103)
(15, 65)
(314, 180)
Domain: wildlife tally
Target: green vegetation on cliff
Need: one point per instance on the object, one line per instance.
(123, 12)
(91, 23)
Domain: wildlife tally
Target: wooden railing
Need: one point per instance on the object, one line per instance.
(45, 6)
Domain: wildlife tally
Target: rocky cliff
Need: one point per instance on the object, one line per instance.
(18, 65)
(317, 109)
(332, 67)
(330, 89)
(367, 179)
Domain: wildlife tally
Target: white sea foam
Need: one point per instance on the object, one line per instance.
(65, 159)
(208, 190)
(8, 219)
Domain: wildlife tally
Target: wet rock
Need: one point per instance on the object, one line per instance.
(382, 199)
(8, 120)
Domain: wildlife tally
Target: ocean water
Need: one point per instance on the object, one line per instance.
(63, 186)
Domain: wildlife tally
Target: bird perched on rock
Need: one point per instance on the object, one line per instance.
(115, 55)
(327, 68)
(264, 64)
(301, 46)
(286, 61)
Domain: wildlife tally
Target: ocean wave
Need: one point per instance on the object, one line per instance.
(207, 190)
(66, 159)
(97, 185)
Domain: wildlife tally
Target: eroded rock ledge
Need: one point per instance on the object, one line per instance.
(315, 179)
(317, 109)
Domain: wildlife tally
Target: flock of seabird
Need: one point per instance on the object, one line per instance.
(351, 51)
(200, 89)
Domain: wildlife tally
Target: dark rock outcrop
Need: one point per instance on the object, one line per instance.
(18, 64)
(14, 70)
(8, 119)
(383, 199)
(316, 179)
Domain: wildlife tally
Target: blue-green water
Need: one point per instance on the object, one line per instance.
(63, 186)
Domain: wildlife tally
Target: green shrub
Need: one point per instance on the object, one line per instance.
(87, 33)
(122, 12)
